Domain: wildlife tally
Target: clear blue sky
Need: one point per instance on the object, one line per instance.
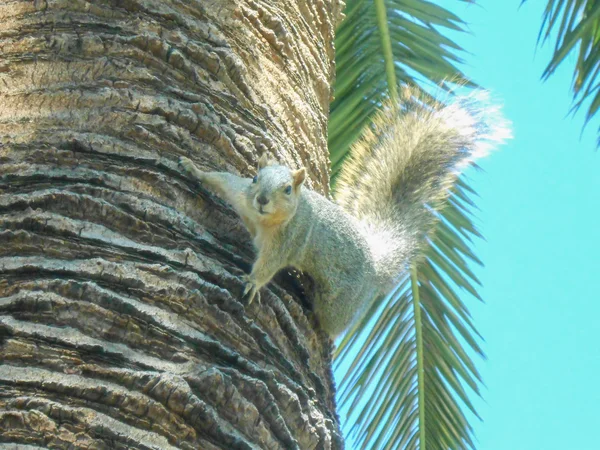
(540, 214)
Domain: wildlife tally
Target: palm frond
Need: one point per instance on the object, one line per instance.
(575, 26)
(409, 377)
(380, 44)
(407, 370)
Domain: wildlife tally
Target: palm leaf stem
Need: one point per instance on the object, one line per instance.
(386, 44)
(419, 344)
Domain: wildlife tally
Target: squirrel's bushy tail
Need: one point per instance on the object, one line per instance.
(399, 172)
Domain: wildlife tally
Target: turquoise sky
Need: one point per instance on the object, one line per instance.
(540, 214)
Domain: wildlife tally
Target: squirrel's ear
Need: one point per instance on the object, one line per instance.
(265, 161)
(299, 176)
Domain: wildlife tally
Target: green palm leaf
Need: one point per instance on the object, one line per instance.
(382, 43)
(575, 26)
(407, 370)
(423, 325)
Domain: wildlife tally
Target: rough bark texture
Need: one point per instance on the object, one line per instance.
(121, 319)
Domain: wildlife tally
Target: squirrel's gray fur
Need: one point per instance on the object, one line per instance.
(386, 196)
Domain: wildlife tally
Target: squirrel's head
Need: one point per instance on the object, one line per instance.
(275, 191)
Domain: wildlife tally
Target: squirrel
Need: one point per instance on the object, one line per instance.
(395, 178)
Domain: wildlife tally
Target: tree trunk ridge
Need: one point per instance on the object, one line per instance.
(121, 319)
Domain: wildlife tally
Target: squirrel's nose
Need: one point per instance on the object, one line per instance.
(262, 199)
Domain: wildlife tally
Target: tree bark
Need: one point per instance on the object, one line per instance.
(121, 319)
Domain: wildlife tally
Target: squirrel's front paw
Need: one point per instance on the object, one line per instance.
(250, 289)
(187, 165)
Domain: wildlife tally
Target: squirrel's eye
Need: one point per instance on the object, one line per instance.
(288, 190)
(255, 179)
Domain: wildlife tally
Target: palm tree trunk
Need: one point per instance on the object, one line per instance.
(121, 319)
